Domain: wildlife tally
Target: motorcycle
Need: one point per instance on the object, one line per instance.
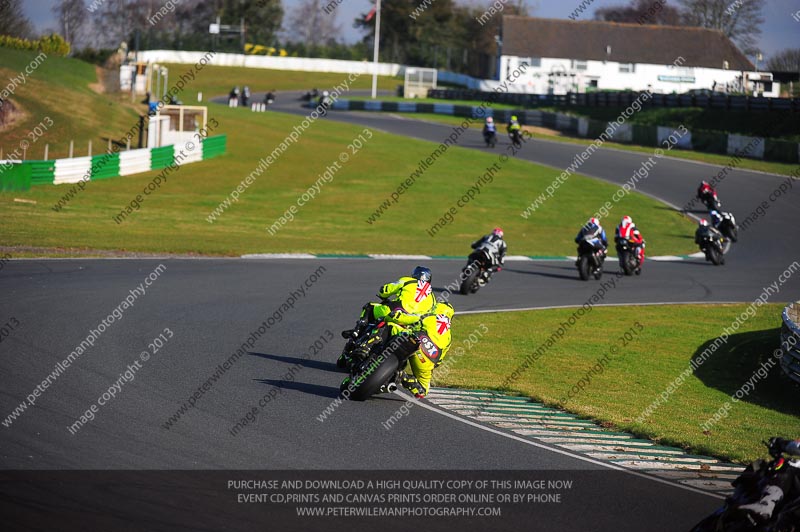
(711, 201)
(490, 137)
(628, 255)
(747, 489)
(590, 258)
(478, 271)
(714, 248)
(727, 226)
(516, 138)
(310, 95)
(380, 370)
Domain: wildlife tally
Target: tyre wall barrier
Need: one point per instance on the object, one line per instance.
(790, 341)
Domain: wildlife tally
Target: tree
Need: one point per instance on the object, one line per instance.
(309, 24)
(13, 21)
(740, 21)
(785, 61)
(641, 12)
(71, 19)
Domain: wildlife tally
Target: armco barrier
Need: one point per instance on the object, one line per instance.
(21, 175)
(790, 341)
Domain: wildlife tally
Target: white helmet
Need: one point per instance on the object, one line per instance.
(704, 222)
(489, 120)
(593, 221)
(626, 220)
(325, 93)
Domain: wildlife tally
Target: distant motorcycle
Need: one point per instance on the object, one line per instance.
(490, 137)
(516, 138)
(713, 247)
(711, 201)
(727, 226)
(313, 94)
(477, 272)
(590, 258)
(747, 489)
(628, 255)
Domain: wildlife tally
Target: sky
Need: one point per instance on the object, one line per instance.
(780, 29)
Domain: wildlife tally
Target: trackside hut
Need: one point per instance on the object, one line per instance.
(582, 56)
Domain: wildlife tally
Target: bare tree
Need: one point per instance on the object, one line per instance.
(71, 18)
(740, 20)
(641, 12)
(785, 61)
(309, 23)
(13, 21)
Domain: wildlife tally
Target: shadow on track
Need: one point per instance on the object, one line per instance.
(311, 389)
(306, 363)
(573, 277)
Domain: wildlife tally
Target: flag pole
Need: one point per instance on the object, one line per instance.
(375, 50)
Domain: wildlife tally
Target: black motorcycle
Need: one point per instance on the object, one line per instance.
(310, 95)
(628, 255)
(714, 248)
(590, 258)
(727, 226)
(380, 371)
(478, 271)
(747, 489)
(490, 137)
(516, 138)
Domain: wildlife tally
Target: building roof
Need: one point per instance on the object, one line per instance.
(630, 43)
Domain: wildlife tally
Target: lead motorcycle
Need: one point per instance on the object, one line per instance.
(478, 271)
(748, 488)
(591, 257)
(379, 370)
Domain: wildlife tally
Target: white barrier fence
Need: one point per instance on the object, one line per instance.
(790, 341)
(303, 64)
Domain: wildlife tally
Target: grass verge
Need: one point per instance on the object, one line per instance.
(638, 370)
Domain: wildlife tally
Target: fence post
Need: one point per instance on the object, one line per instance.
(46, 151)
(90, 148)
(71, 147)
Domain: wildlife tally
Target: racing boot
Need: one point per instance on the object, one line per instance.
(411, 384)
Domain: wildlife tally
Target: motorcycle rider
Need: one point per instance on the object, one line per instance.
(704, 230)
(705, 191)
(627, 230)
(403, 302)
(489, 128)
(779, 483)
(514, 127)
(436, 326)
(597, 234)
(495, 246)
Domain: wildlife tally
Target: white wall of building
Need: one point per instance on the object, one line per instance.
(571, 76)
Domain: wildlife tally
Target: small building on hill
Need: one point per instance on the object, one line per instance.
(561, 56)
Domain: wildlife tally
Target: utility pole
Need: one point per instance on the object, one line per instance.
(375, 51)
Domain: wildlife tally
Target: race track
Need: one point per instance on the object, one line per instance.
(211, 307)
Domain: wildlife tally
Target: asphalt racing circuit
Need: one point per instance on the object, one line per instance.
(202, 311)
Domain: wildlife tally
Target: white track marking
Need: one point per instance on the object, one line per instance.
(526, 441)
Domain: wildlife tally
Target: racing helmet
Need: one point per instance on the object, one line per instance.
(716, 218)
(593, 221)
(703, 222)
(422, 273)
(513, 118)
(489, 120)
(626, 220)
(498, 231)
(325, 93)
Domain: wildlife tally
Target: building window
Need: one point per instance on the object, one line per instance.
(579, 65)
(627, 68)
(531, 61)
